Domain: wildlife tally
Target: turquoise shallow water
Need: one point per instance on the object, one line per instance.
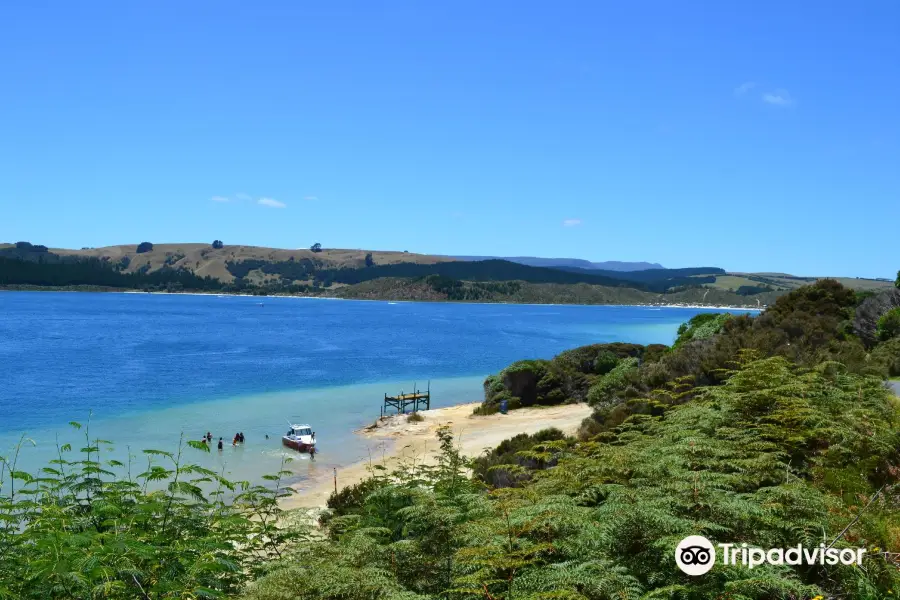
(153, 367)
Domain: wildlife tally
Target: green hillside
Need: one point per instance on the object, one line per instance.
(378, 275)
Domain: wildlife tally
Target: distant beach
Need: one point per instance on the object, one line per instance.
(387, 300)
(324, 297)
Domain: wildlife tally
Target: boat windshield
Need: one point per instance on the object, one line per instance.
(303, 431)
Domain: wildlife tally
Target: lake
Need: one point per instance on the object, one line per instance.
(146, 368)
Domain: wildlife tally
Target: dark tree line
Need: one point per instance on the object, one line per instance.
(96, 272)
(657, 280)
(487, 270)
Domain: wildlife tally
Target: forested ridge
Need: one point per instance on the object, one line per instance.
(774, 431)
(28, 266)
(52, 270)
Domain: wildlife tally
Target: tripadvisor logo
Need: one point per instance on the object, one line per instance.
(696, 555)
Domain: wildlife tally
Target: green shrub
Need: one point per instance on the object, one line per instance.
(613, 382)
(350, 498)
(701, 327)
(506, 466)
(889, 325)
(567, 378)
(885, 358)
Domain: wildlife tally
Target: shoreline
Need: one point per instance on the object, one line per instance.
(396, 440)
(302, 297)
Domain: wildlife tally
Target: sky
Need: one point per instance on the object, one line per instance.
(754, 136)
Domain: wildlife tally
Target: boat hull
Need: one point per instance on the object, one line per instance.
(297, 445)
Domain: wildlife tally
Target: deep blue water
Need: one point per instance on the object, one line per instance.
(150, 366)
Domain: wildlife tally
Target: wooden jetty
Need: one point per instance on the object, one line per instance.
(402, 402)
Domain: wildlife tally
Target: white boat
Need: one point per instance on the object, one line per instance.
(300, 437)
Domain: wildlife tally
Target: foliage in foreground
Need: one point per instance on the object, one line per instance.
(89, 527)
(777, 455)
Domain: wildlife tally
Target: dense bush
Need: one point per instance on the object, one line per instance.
(349, 498)
(96, 272)
(872, 308)
(889, 325)
(218, 244)
(808, 326)
(29, 247)
(457, 274)
(473, 291)
(507, 466)
(750, 290)
(885, 358)
(289, 271)
(566, 378)
(144, 247)
(701, 327)
(606, 389)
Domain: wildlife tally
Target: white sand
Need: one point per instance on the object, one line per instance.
(395, 438)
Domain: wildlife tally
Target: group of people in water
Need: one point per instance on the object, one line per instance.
(238, 439)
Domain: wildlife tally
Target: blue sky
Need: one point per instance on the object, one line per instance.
(756, 136)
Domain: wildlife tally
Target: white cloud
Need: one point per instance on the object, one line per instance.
(778, 98)
(271, 203)
(571, 223)
(745, 87)
(311, 198)
(242, 197)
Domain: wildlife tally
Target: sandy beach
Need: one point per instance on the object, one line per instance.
(396, 439)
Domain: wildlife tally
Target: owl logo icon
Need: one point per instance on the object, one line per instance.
(695, 555)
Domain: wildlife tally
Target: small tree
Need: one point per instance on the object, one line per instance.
(144, 247)
(217, 244)
(889, 324)
(370, 262)
(897, 281)
(317, 247)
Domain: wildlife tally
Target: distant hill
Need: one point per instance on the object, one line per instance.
(649, 275)
(205, 260)
(386, 275)
(532, 261)
(236, 268)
